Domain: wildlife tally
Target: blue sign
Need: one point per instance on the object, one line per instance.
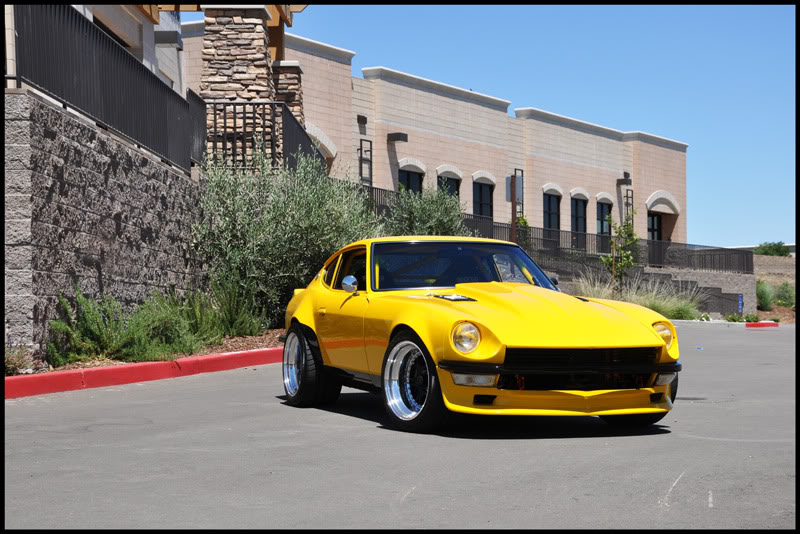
(740, 304)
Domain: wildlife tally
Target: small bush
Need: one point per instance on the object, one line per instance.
(92, 329)
(734, 318)
(785, 295)
(664, 298)
(239, 313)
(776, 319)
(17, 359)
(765, 295)
(751, 318)
(770, 248)
(430, 212)
(705, 317)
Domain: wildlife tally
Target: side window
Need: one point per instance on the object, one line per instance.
(353, 263)
(329, 270)
(508, 270)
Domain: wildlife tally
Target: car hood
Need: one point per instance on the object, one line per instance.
(522, 315)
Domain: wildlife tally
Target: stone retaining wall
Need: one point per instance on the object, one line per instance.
(83, 207)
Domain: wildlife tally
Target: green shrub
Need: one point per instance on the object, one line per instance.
(785, 295)
(161, 327)
(276, 228)
(734, 318)
(92, 329)
(751, 318)
(765, 295)
(705, 317)
(430, 212)
(770, 248)
(776, 319)
(239, 313)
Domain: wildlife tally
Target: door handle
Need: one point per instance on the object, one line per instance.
(322, 311)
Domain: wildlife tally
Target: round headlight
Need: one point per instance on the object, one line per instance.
(665, 333)
(466, 337)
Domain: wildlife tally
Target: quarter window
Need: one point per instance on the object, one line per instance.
(329, 270)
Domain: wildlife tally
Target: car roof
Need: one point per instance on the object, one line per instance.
(418, 238)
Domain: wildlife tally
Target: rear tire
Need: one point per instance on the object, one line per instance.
(643, 419)
(304, 380)
(410, 386)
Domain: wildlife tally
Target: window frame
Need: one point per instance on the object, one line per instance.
(577, 218)
(603, 226)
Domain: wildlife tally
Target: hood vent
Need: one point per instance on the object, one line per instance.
(454, 298)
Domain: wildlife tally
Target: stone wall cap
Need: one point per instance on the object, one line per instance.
(287, 63)
(385, 73)
(535, 113)
(316, 45)
(239, 6)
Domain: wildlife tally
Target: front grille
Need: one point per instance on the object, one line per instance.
(593, 369)
(579, 358)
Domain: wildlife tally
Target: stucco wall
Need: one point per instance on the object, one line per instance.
(90, 210)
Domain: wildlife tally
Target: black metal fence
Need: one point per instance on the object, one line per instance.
(296, 140)
(569, 252)
(238, 129)
(63, 54)
(197, 129)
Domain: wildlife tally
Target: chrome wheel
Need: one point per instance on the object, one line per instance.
(293, 360)
(406, 380)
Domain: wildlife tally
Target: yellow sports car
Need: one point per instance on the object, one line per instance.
(471, 325)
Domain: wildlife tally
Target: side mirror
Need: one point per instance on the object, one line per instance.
(555, 282)
(350, 284)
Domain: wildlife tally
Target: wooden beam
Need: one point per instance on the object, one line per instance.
(149, 11)
(179, 7)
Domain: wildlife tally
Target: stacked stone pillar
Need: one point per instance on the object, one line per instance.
(287, 77)
(237, 68)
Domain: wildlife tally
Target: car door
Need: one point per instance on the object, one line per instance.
(340, 315)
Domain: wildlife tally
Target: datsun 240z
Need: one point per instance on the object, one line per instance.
(475, 326)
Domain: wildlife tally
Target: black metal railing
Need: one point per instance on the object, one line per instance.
(63, 54)
(570, 252)
(197, 129)
(296, 140)
(239, 129)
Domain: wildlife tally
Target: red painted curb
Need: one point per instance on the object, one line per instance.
(58, 381)
(759, 325)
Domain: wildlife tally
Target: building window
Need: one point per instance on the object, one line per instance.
(579, 215)
(451, 185)
(653, 226)
(603, 227)
(603, 211)
(552, 212)
(411, 180)
(482, 199)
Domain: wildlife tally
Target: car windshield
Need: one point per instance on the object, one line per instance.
(431, 264)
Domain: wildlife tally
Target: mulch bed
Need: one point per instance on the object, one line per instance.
(785, 313)
(230, 344)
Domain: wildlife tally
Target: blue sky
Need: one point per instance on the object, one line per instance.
(720, 78)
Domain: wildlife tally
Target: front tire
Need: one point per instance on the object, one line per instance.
(304, 380)
(410, 386)
(643, 419)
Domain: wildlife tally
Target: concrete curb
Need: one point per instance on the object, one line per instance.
(726, 323)
(58, 381)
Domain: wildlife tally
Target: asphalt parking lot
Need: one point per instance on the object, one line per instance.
(223, 450)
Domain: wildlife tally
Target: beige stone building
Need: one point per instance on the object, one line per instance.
(393, 128)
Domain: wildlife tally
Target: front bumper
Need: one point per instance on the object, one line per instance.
(553, 402)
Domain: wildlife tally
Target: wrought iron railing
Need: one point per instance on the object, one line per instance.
(239, 129)
(569, 252)
(63, 54)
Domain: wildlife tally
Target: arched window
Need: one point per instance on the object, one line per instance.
(482, 193)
